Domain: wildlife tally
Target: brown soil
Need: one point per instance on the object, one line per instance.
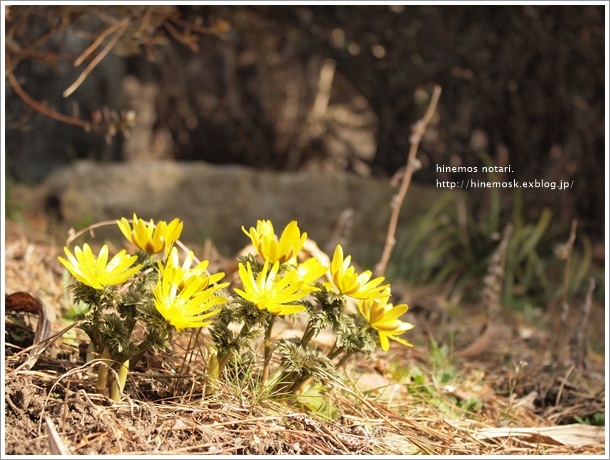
(163, 411)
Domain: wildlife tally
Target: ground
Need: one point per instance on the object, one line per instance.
(408, 400)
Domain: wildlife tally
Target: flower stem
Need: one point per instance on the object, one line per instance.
(102, 373)
(298, 386)
(116, 388)
(223, 358)
(267, 349)
(90, 352)
(334, 351)
(344, 359)
(145, 345)
(307, 335)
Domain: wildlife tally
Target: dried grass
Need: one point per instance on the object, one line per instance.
(163, 410)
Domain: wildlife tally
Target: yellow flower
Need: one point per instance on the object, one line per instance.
(271, 292)
(349, 282)
(188, 273)
(188, 306)
(310, 270)
(96, 271)
(152, 238)
(270, 248)
(383, 317)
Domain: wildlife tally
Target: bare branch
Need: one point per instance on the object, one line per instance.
(416, 136)
(85, 73)
(25, 97)
(565, 251)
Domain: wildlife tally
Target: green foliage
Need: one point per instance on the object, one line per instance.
(450, 243)
(13, 208)
(435, 386)
(442, 366)
(315, 399)
(597, 419)
(227, 344)
(426, 254)
(304, 362)
(471, 404)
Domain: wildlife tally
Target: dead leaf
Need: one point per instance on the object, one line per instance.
(575, 435)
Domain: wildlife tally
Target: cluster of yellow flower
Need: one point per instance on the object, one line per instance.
(167, 293)
(188, 297)
(183, 295)
(277, 294)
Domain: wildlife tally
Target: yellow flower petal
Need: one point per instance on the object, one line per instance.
(94, 271)
(348, 282)
(311, 270)
(186, 305)
(149, 237)
(268, 246)
(269, 291)
(383, 317)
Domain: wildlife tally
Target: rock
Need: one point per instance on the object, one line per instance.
(215, 201)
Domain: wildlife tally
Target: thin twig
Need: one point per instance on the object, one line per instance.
(374, 409)
(74, 235)
(565, 307)
(187, 40)
(96, 43)
(85, 73)
(492, 296)
(579, 346)
(417, 133)
(566, 273)
(25, 97)
(188, 355)
(41, 346)
(30, 50)
(218, 30)
(563, 384)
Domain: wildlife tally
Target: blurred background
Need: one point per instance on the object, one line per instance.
(323, 91)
